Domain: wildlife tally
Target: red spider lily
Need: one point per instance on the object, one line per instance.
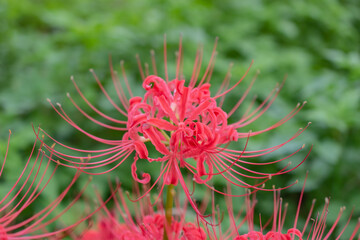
(317, 231)
(185, 123)
(28, 187)
(149, 222)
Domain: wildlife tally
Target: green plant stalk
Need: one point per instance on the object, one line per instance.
(168, 209)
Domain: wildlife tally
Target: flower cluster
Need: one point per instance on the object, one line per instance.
(150, 222)
(193, 136)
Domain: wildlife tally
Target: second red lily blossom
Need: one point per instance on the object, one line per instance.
(184, 122)
(141, 220)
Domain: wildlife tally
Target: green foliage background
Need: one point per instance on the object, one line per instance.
(316, 43)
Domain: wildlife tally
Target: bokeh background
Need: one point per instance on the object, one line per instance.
(316, 43)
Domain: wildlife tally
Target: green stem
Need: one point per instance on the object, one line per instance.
(168, 209)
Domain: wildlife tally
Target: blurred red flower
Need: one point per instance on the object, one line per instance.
(149, 222)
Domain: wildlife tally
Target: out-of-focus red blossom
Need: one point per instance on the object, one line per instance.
(271, 235)
(186, 124)
(31, 183)
(151, 227)
(315, 229)
(149, 223)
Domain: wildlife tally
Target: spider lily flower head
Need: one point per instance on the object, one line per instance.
(186, 124)
(33, 180)
(148, 222)
(314, 228)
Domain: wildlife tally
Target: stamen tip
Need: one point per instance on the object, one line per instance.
(48, 99)
(58, 104)
(303, 146)
(9, 131)
(68, 95)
